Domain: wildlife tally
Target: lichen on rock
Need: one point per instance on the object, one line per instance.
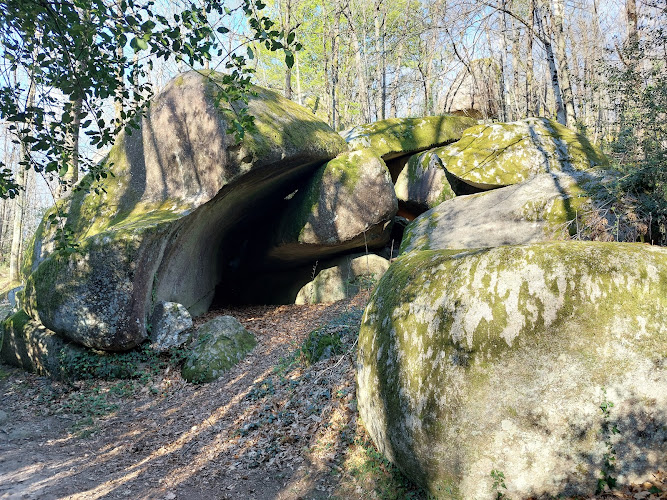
(546, 207)
(500, 154)
(176, 188)
(476, 360)
(400, 136)
(170, 325)
(423, 183)
(221, 343)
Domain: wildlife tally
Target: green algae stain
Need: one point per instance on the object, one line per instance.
(403, 135)
(342, 173)
(568, 297)
(507, 153)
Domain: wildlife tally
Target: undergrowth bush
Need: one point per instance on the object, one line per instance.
(141, 363)
(637, 91)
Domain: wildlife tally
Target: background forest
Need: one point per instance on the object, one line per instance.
(597, 66)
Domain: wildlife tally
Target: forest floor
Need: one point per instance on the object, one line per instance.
(280, 425)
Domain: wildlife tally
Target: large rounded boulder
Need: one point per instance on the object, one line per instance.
(423, 183)
(349, 203)
(523, 360)
(400, 136)
(395, 139)
(344, 279)
(546, 207)
(158, 230)
(493, 155)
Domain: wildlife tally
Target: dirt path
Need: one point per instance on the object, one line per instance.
(274, 427)
(271, 428)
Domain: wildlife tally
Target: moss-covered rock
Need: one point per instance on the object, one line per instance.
(27, 344)
(345, 278)
(401, 136)
(157, 230)
(543, 208)
(499, 359)
(349, 203)
(221, 343)
(500, 154)
(423, 183)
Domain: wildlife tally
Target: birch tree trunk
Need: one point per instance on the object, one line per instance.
(531, 99)
(542, 26)
(563, 69)
(362, 85)
(287, 29)
(381, 74)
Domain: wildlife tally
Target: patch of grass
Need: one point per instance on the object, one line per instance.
(84, 428)
(90, 403)
(368, 471)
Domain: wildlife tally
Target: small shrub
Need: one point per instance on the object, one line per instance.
(498, 484)
(608, 431)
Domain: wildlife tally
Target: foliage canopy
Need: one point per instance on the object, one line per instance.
(65, 60)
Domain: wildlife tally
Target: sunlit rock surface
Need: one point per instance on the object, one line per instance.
(499, 359)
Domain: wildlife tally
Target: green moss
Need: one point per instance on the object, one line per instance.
(455, 318)
(501, 154)
(17, 321)
(278, 124)
(424, 181)
(58, 277)
(344, 172)
(301, 208)
(221, 344)
(396, 136)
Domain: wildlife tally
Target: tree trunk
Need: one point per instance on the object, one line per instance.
(631, 18)
(299, 96)
(563, 69)
(327, 64)
(334, 66)
(362, 85)
(516, 58)
(531, 99)
(400, 47)
(17, 226)
(287, 29)
(71, 177)
(381, 95)
(540, 17)
(118, 100)
(19, 208)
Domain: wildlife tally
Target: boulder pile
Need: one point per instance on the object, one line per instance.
(489, 344)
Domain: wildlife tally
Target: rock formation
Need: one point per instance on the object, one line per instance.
(499, 359)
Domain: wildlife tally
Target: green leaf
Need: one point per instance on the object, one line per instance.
(289, 58)
(251, 54)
